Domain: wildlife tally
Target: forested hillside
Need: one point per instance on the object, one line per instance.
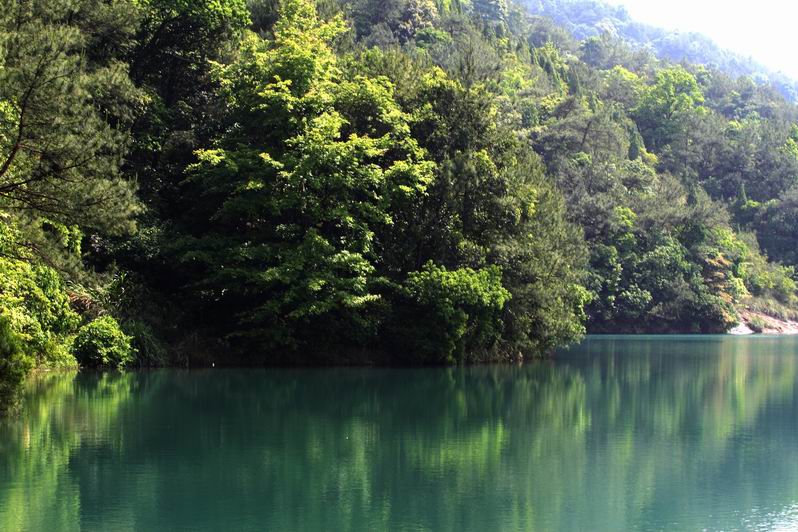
(585, 19)
(370, 181)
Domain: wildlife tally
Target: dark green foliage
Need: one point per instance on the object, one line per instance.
(776, 222)
(149, 349)
(62, 107)
(101, 343)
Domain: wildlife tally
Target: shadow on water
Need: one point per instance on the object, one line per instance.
(619, 433)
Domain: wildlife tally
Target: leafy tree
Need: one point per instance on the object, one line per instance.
(281, 234)
(776, 223)
(175, 33)
(492, 11)
(663, 108)
(170, 60)
(622, 86)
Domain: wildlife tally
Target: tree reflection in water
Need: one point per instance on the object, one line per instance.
(619, 433)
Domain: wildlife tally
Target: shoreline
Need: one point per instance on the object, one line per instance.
(752, 322)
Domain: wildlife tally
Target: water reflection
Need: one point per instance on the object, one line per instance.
(618, 434)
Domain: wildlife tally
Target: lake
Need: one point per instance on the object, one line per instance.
(619, 433)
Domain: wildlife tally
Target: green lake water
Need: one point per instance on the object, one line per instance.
(620, 433)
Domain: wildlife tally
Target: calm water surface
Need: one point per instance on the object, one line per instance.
(651, 433)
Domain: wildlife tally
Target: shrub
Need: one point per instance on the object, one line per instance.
(445, 315)
(102, 343)
(757, 324)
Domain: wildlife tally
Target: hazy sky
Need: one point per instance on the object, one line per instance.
(766, 30)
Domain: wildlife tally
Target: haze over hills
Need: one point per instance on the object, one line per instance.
(590, 18)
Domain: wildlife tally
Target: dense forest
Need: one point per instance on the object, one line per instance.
(265, 182)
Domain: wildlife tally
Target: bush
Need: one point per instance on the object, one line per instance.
(444, 315)
(757, 324)
(102, 343)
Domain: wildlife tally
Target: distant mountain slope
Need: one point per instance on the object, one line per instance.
(588, 18)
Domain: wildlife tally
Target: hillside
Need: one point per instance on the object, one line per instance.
(591, 18)
(371, 181)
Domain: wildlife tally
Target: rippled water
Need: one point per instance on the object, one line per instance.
(647, 433)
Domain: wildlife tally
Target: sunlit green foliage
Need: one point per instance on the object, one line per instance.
(449, 316)
(35, 315)
(101, 343)
(283, 229)
(664, 106)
